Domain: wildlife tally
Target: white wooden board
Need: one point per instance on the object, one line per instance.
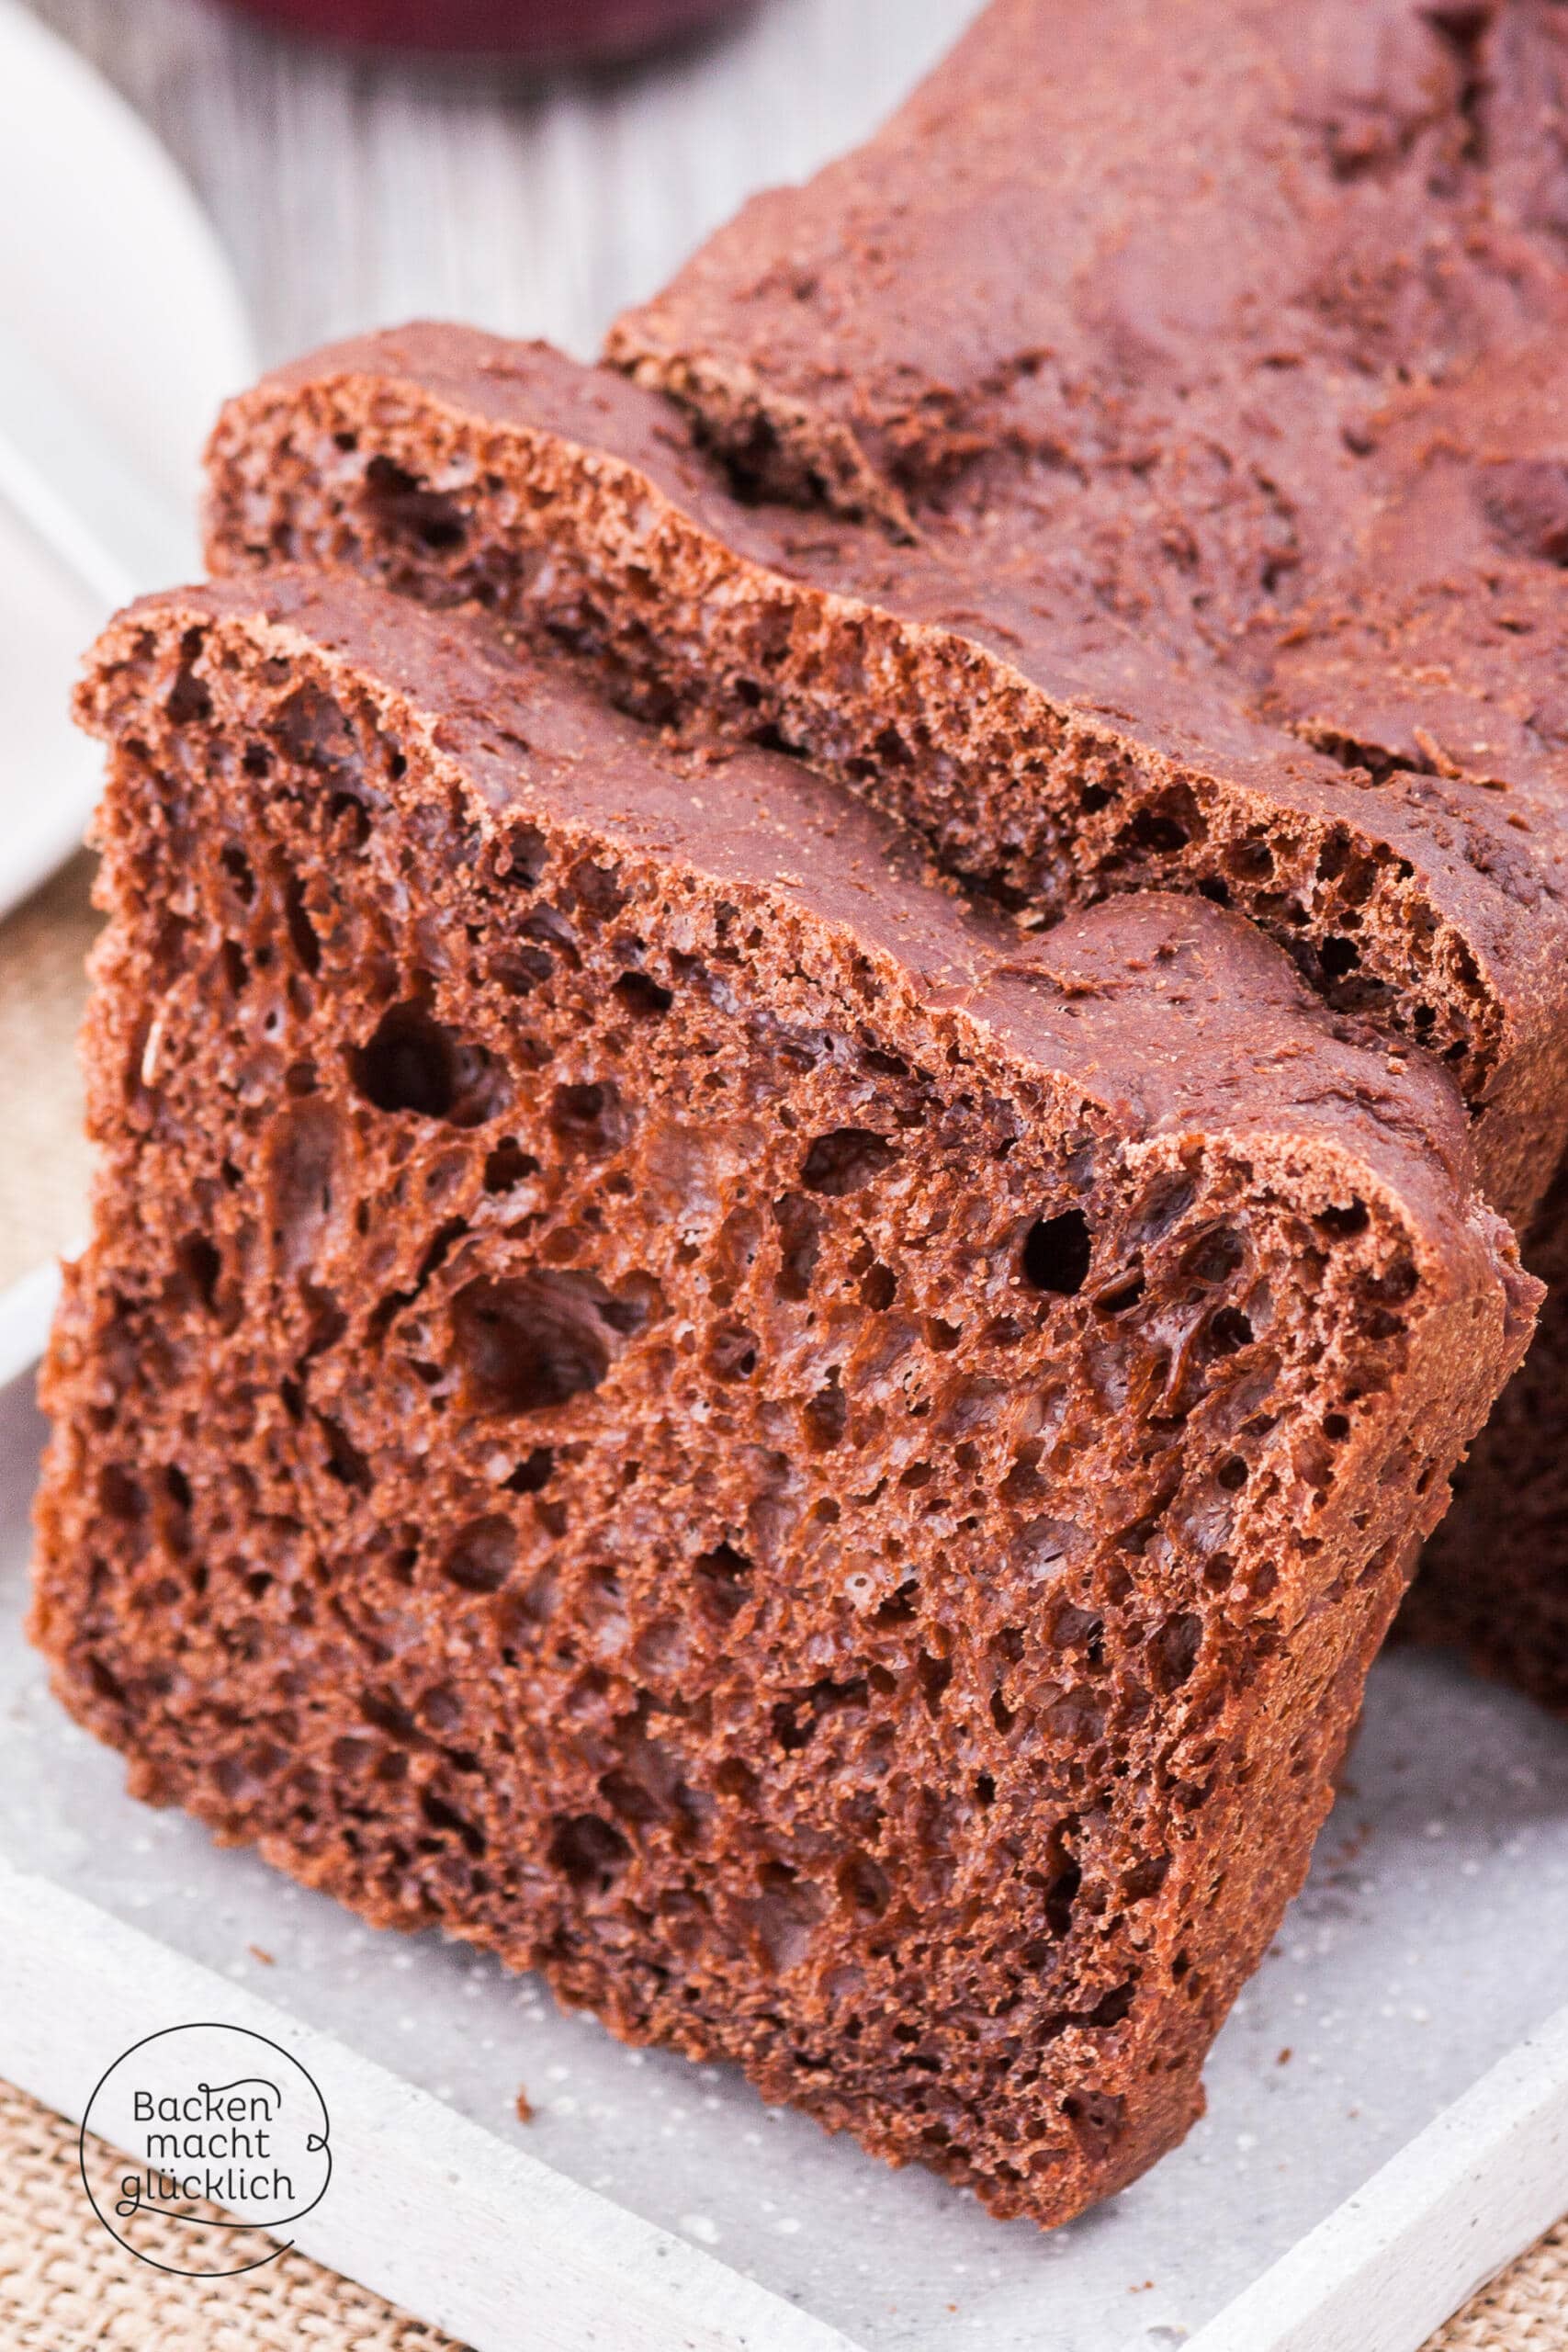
(1429, 1946)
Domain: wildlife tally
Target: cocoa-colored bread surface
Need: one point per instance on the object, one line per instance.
(653, 1389)
(459, 466)
(1140, 465)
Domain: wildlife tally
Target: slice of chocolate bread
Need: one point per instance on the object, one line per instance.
(455, 466)
(1190, 383)
(1287, 395)
(653, 1390)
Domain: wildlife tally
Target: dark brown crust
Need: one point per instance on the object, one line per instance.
(931, 691)
(1078, 1332)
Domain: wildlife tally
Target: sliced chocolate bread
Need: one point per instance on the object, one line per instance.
(1140, 466)
(455, 466)
(653, 1390)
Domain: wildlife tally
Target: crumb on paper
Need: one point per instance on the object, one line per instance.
(1285, 2057)
(524, 2106)
(266, 1958)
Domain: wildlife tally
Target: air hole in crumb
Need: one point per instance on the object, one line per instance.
(1156, 829)
(302, 935)
(790, 1732)
(483, 1556)
(899, 1608)
(523, 857)
(350, 818)
(642, 994)
(597, 888)
(444, 1818)
(863, 1884)
(532, 1474)
(200, 1264)
(934, 1675)
(1229, 1331)
(879, 1288)
(1063, 1895)
(119, 1495)
(237, 867)
(1231, 1473)
(1398, 1282)
(344, 1461)
(827, 1415)
(732, 1352)
(1336, 1428)
(508, 1166)
(1145, 1878)
(315, 730)
(1338, 956)
(1250, 861)
(1113, 2007)
(1056, 1253)
(1215, 1256)
(590, 1118)
(721, 1575)
(1173, 1651)
(402, 506)
(800, 1241)
(589, 1852)
(414, 1063)
(532, 1343)
(190, 698)
(846, 1160)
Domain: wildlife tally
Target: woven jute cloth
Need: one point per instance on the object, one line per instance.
(65, 2284)
(43, 1160)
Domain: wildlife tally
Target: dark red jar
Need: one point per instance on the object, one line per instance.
(547, 32)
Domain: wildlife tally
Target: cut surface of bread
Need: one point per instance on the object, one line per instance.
(653, 1389)
(1140, 465)
(457, 468)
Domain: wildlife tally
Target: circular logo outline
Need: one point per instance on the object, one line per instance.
(313, 2142)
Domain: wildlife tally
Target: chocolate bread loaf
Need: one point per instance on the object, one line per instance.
(1317, 276)
(651, 1388)
(1175, 394)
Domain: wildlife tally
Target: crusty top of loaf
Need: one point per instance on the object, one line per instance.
(1489, 855)
(1222, 344)
(1172, 1015)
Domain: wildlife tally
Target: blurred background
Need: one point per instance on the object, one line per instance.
(194, 190)
(351, 191)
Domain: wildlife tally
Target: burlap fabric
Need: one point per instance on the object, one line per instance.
(65, 2285)
(43, 1160)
